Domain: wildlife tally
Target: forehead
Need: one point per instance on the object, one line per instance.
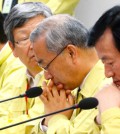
(29, 25)
(105, 46)
(39, 45)
(40, 49)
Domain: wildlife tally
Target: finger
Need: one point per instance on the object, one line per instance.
(49, 94)
(63, 94)
(55, 92)
(45, 91)
(71, 99)
(44, 84)
(50, 84)
(43, 99)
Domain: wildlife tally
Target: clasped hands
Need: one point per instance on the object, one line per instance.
(55, 99)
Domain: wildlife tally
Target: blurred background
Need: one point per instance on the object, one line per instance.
(88, 11)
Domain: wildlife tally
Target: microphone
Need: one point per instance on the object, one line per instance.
(30, 93)
(87, 103)
(33, 92)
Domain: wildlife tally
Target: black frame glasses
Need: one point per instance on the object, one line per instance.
(47, 66)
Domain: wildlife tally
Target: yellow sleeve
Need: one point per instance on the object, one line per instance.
(36, 129)
(110, 120)
(13, 83)
(36, 110)
(83, 123)
(62, 6)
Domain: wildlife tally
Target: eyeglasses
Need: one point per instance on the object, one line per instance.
(47, 66)
(22, 42)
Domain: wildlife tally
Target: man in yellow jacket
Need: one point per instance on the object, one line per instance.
(12, 77)
(18, 25)
(12, 80)
(61, 49)
(105, 36)
(57, 6)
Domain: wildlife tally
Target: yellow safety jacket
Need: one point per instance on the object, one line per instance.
(13, 82)
(82, 121)
(57, 6)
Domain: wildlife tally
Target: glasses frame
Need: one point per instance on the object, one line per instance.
(47, 66)
(21, 41)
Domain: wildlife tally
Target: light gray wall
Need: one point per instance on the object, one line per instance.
(88, 11)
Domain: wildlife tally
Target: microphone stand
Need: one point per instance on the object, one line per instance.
(85, 104)
(20, 96)
(32, 92)
(73, 107)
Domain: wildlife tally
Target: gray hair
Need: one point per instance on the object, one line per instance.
(59, 31)
(20, 13)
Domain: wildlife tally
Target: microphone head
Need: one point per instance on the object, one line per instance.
(33, 92)
(88, 103)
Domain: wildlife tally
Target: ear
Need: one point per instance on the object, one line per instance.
(72, 50)
(13, 48)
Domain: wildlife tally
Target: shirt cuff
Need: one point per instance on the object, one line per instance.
(43, 127)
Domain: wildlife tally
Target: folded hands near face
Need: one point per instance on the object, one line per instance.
(55, 99)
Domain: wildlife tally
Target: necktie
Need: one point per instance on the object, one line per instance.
(79, 97)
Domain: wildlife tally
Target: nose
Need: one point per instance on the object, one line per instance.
(47, 75)
(108, 71)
